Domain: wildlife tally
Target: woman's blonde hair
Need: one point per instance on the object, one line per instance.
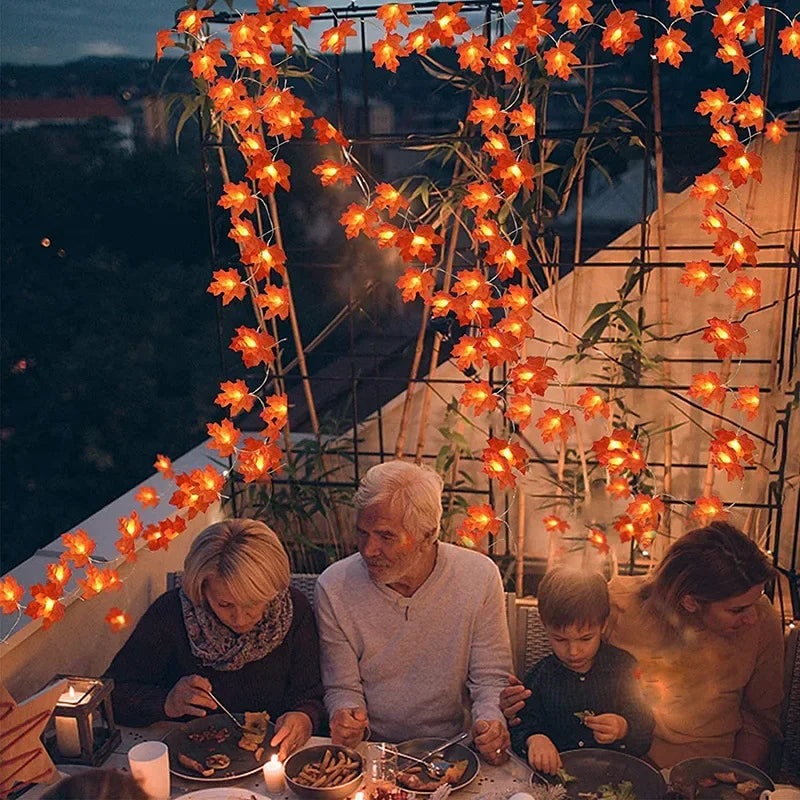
(245, 553)
(573, 597)
(409, 491)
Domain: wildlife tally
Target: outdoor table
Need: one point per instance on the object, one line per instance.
(492, 782)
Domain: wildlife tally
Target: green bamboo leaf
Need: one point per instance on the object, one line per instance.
(599, 310)
(627, 320)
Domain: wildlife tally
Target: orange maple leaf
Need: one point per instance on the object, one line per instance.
(419, 244)
(519, 410)
(389, 199)
(224, 437)
(790, 39)
(727, 337)
(708, 388)
(191, 21)
(356, 219)
(472, 54)
(684, 8)
(331, 173)
(479, 396)
(575, 13)
(524, 121)
(388, 52)
(487, 113)
(10, 595)
(416, 283)
(620, 31)
(503, 58)
(592, 403)
(482, 195)
(555, 423)
(750, 113)
(741, 164)
(707, 509)
(670, 47)
(147, 497)
(730, 52)
(275, 301)
(394, 14)
(514, 174)
(533, 376)
(746, 293)
(205, 60)
(335, 38)
(265, 258)
(558, 60)
(467, 353)
(775, 130)
(325, 132)
(227, 283)
(533, 24)
(236, 395)
(79, 547)
(716, 103)
(446, 24)
(269, 173)
(708, 187)
(418, 41)
(163, 40)
(117, 619)
(748, 400)
(256, 347)
(131, 526)
(618, 488)
(46, 604)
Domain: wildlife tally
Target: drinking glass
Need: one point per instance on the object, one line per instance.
(149, 763)
(380, 767)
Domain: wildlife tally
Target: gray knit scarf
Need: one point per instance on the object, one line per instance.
(218, 647)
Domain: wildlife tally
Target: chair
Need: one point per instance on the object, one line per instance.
(529, 642)
(304, 582)
(789, 771)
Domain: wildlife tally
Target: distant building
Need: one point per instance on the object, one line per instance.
(16, 115)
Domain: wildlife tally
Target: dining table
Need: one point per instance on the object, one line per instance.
(491, 783)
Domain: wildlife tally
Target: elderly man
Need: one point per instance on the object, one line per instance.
(411, 627)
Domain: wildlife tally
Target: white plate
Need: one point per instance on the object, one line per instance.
(224, 793)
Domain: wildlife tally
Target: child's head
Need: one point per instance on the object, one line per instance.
(574, 608)
(99, 784)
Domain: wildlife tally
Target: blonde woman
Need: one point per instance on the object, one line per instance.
(234, 627)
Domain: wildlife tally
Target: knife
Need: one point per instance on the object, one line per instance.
(222, 708)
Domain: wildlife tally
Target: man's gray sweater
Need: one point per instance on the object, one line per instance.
(414, 662)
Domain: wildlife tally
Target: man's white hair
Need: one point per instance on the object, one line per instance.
(409, 491)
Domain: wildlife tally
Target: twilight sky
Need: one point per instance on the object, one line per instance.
(58, 31)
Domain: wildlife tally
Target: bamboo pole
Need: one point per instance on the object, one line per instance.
(437, 342)
(519, 583)
(664, 317)
(403, 429)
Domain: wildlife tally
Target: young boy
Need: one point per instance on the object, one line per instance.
(586, 693)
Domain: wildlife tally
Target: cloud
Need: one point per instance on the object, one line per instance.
(98, 47)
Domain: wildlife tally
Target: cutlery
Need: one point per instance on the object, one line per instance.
(225, 710)
(441, 747)
(433, 767)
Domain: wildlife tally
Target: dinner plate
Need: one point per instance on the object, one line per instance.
(456, 752)
(224, 793)
(593, 767)
(242, 761)
(684, 776)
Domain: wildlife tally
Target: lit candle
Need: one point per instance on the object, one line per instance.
(273, 775)
(67, 736)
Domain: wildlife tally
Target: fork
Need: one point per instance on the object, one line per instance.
(222, 707)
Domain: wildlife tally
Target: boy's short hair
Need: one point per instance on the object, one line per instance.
(573, 597)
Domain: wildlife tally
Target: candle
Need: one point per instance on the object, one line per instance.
(67, 736)
(273, 775)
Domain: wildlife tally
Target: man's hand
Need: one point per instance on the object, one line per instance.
(189, 696)
(542, 754)
(348, 726)
(491, 738)
(292, 731)
(512, 700)
(607, 728)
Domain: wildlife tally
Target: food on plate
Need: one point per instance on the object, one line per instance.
(382, 793)
(750, 789)
(581, 715)
(255, 730)
(218, 761)
(196, 766)
(707, 783)
(333, 769)
(218, 735)
(418, 780)
(609, 791)
(726, 777)
(564, 776)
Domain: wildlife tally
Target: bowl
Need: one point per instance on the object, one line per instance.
(295, 763)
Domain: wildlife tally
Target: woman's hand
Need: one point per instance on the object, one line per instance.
(292, 731)
(607, 728)
(189, 696)
(542, 754)
(512, 700)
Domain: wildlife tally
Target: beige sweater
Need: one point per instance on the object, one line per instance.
(707, 688)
